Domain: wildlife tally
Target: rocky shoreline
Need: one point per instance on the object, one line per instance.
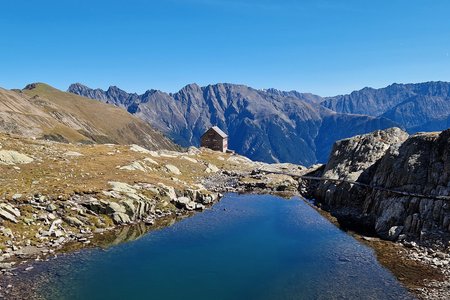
(418, 260)
(57, 238)
(393, 186)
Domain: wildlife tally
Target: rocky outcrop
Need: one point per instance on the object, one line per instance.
(353, 159)
(420, 166)
(390, 184)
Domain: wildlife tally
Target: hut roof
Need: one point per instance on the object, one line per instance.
(219, 131)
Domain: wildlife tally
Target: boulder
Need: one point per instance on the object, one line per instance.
(72, 154)
(150, 160)
(73, 221)
(394, 232)
(51, 207)
(137, 148)
(98, 207)
(130, 208)
(9, 157)
(167, 191)
(121, 218)
(134, 166)
(113, 207)
(10, 208)
(8, 212)
(211, 168)
(122, 187)
(188, 204)
(172, 169)
(57, 233)
(16, 197)
(55, 225)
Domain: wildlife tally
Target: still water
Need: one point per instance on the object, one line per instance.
(244, 247)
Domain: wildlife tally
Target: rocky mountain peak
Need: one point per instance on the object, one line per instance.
(150, 92)
(114, 89)
(78, 86)
(192, 87)
(117, 94)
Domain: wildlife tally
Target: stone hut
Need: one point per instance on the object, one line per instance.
(215, 139)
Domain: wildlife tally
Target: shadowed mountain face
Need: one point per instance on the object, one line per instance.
(267, 125)
(41, 111)
(417, 107)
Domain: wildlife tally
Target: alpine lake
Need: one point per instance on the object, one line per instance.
(244, 247)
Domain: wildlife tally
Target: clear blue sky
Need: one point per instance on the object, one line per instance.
(326, 47)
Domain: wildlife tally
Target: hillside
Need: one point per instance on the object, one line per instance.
(43, 112)
(266, 125)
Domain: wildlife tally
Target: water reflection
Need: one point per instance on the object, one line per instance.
(245, 247)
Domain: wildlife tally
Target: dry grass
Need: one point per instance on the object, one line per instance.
(53, 173)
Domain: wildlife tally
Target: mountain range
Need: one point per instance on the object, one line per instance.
(266, 125)
(288, 126)
(416, 107)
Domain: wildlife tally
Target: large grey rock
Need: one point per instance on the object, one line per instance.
(354, 159)
(10, 157)
(121, 218)
(113, 207)
(350, 157)
(9, 212)
(129, 208)
(168, 191)
(188, 204)
(394, 232)
(122, 187)
(73, 221)
(172, 169)
(10, 208)
(418, 166)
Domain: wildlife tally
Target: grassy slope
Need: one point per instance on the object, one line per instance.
(92, 120)
(20, 114)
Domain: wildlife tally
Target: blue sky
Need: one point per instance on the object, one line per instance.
(325, 47)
